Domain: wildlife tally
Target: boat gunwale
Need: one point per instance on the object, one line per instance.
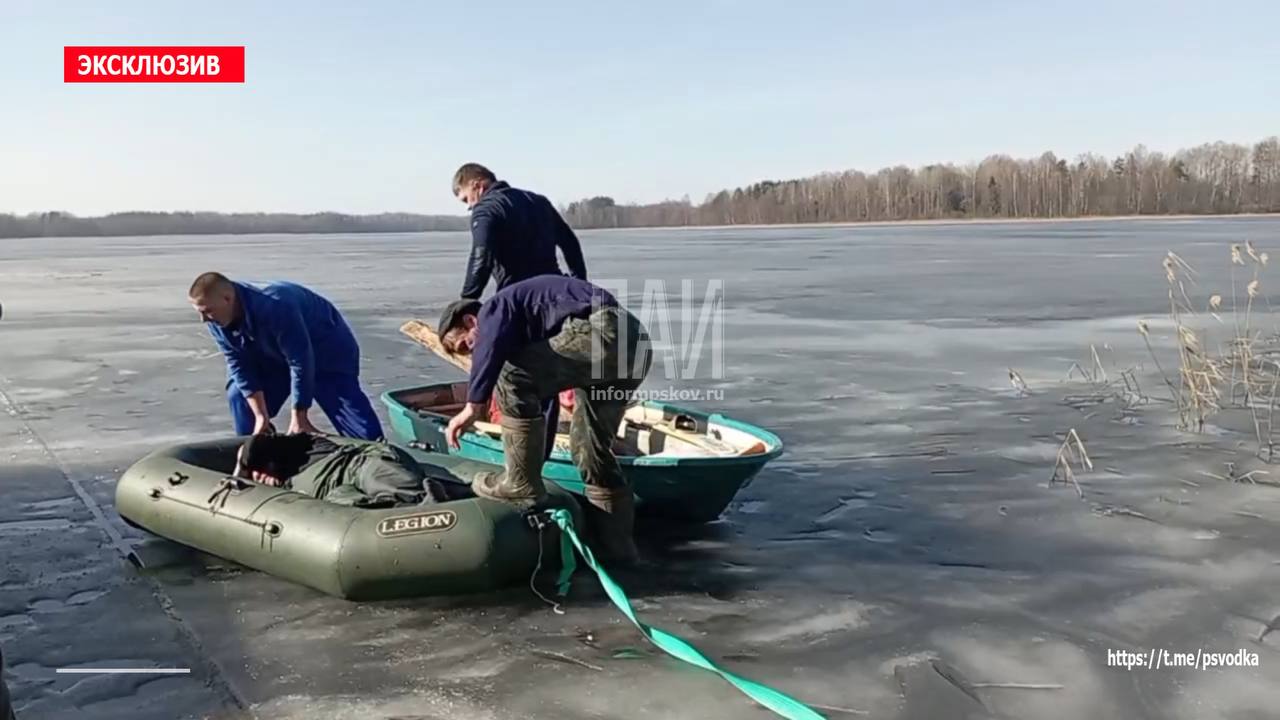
(174, 453)
(774, 446)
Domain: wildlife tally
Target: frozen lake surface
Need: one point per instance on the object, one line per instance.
(906, 557)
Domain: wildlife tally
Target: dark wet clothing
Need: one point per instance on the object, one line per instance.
(514, 236)
(526, 312)
(548, 334)
(344, 471)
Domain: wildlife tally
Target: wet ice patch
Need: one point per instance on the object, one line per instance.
(988, 655)
(1229, 691)
(418, 706)
(1039, 452)
(28, 526)
(1150, 610)
(53, 368)
(850, 615)
(41, 394)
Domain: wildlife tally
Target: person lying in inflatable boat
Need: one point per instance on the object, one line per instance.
(344, 471)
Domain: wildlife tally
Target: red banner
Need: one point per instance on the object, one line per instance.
(154, 64)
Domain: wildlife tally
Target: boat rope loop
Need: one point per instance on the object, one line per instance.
(224, 490)
(778, 702)
(540, 522)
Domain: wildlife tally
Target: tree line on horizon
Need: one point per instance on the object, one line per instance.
(61, 224)
(1213, 178)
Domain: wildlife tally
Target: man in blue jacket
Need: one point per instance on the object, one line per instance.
(283, 340)
(529, 342)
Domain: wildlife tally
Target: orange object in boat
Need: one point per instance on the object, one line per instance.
(566, 404)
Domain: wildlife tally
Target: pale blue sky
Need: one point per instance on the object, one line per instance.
(369, 107)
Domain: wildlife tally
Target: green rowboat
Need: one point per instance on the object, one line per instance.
(682, 464)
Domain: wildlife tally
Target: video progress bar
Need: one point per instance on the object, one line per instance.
(124, 671)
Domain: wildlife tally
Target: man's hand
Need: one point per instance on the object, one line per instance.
(460, 422)
(300, 423)
(258, 405)
(263, 426)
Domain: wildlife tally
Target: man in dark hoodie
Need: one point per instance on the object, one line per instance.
(514, 236)
(514, 233)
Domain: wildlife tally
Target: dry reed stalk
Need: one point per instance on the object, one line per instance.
(1260, 260)
(1271, 413)
(1132, 387)
(1066, 454)
(1097, 364)
(1196, 394)
(1084, 374)
(1019, 686)
(1232, 476)
(1126, 392)
(1145, 331)
(1019, 384)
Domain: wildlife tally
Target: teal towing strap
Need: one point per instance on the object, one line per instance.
(781, 704)
(568, 562)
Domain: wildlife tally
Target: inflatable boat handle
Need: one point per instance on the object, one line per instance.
(226, 488)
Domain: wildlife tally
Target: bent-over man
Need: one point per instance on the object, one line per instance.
(529, 342)
(281, 340)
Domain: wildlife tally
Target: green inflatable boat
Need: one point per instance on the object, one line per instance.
(186, 494)
(682, 464)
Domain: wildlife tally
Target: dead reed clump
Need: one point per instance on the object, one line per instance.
(1072, 449)
(1095, 375)
(1235, 476)
(1196, 394)
(1124, 390)
(1246, 372)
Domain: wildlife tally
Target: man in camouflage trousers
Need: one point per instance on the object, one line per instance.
(530, 341)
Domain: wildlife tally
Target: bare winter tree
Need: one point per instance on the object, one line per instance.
(1211, 178)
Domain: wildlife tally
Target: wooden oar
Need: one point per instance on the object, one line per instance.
(422, 333)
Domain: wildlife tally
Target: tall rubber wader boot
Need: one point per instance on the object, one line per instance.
(523, 448)
(615, 521)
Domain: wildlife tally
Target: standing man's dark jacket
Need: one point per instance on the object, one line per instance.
(514, 235)
(524, 313)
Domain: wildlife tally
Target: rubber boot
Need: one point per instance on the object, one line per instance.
(613, 522)
(523, 443)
